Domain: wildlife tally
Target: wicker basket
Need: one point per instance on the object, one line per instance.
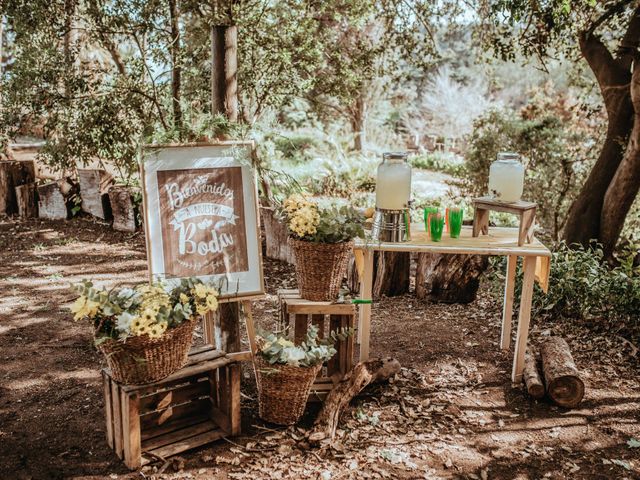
(142, 360)
(283, 390)
(320, 268)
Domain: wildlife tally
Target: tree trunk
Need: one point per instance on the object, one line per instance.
(625, 184)
(564, 385)
(449, 278)
(358, 123)
(176, 71)
(94, 188)
(231, 72)
(52, 203)
(13, 173)
(276, 236)
(122, 208)
(583, 223)
(324, 428)
(531, 375)
(218, 83)
(26, 198)
(391, 274)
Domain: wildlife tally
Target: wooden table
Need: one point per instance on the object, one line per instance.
(499, 241)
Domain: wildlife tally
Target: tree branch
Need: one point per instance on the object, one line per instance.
(627, 51)
(613, 10)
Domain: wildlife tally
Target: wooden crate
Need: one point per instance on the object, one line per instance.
(328, 317)
(194, 406)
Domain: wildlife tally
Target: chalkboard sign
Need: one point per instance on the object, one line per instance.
(201, 215)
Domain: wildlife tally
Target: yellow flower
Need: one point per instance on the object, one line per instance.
(156, 330)
(139, 326)
(184, 298)
(202, 309)
(83, 307)
(200, 290)
(149, 315)
(294, 203)
(212, 302)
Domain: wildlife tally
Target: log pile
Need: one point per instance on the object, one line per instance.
(13, 173)
(558, 376)
(94, 188)
(123, 208)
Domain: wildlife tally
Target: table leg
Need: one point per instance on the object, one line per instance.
(524, 318)
(507, 308)
(366, 292)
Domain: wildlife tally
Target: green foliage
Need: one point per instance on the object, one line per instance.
(438, 162)
(338, 224)
(554, 134)
(583, 287)
(277, 349)
(296, 148)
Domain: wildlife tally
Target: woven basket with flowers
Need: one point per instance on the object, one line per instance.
(145, 332)
(321, 237)
(285, 372)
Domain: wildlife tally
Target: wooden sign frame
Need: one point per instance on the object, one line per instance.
(193, 162)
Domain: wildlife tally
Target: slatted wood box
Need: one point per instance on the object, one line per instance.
(194, 406)
(328, 317)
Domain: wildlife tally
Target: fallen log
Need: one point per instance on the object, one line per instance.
(12, 175)
(123, 207)
(562, 379)
(449, 278)
(94, 188)
(26, 198)
(364, 373)
(531, 375)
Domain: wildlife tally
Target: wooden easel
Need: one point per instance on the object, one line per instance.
(526, 211)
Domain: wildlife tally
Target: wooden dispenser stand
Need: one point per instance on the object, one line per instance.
(526, 211)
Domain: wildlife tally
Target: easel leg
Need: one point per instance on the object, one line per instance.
(251, 329)
(524, 318)
(507, 308)
(366, 292)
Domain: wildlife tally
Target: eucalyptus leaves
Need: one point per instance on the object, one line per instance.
(277, 349)
(146, 309)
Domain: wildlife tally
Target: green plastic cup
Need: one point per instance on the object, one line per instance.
(455, 221)
(428, 211)
(436, 222)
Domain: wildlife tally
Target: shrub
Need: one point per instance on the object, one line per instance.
(583, 287)
(438, 162)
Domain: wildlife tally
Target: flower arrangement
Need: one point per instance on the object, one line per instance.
(145, 309)
(277, 349)
(309, 221)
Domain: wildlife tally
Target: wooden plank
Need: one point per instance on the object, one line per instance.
(117, 418)
(108, 408)
(165, 399)
(201, 348)
(26, 199)
(349, 345)
(306, 307)
(507, 308)
(524, 318)
(177, 435)
(13, 173)
(208, 328)
(499, 241)
(131, 429)
(239, 356)
(508, 207)
(181, 446)
(300, 328)
(227, 327)
(182, 374)
(196, 407)
(149, 433)
(51, 202)
(234, 399)
(335, 363)
(250, 327)
(366, 288)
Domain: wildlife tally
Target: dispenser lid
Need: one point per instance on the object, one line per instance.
(394, 156)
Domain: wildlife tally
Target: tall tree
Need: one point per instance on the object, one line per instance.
(607, 36)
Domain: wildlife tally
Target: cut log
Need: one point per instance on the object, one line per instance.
(13, 173)
(27, 200)
(364, 373)
(94, 187)
(449, 278)
(562, 379)
(123, 208)
(275, 236)
(391, 274)
(51, 202)
(531, 375)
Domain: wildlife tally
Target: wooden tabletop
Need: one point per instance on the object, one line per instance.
(500, 241)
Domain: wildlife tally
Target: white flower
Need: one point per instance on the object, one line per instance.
(124, 320)
(293, 355)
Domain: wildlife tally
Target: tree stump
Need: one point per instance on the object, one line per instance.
(391, 273)
(26, 198)
(94, 185)
(449, 278)
(364, 373)
(276, 237)
(564, 385)
(51, 202)
(531, 375)
(13, 173)
(123, 208)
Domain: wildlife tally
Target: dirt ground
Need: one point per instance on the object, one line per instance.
(451, 413)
